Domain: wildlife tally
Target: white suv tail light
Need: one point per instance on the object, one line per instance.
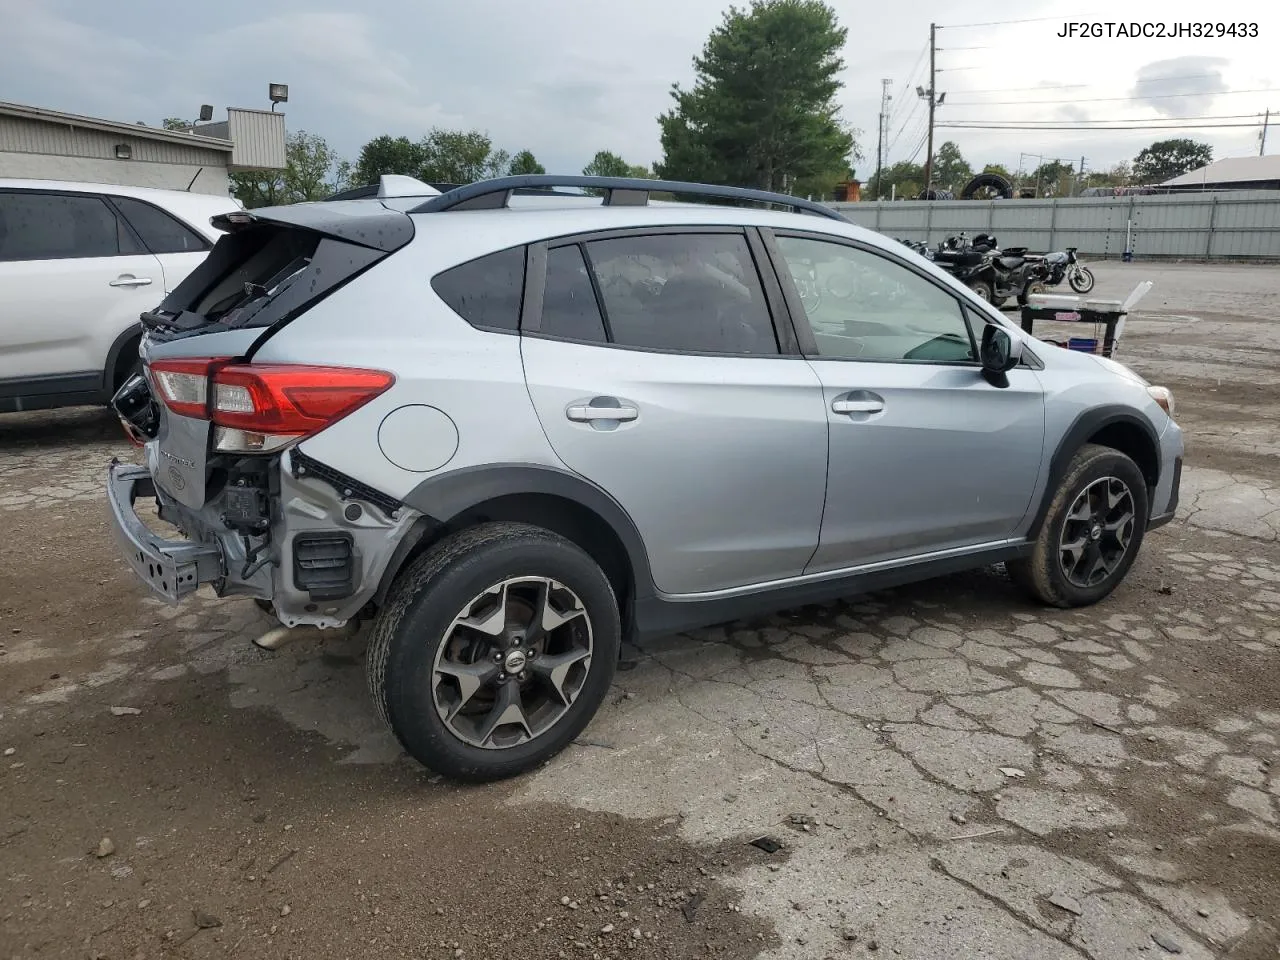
(261, 408)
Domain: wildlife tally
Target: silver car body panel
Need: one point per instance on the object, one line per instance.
(735, 478)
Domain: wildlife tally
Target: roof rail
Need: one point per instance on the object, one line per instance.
(619, 191)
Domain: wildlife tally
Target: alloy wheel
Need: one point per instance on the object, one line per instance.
(1097, 532)
(512, 662)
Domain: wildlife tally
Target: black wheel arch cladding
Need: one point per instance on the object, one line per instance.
(1112, 426)
(450, 496)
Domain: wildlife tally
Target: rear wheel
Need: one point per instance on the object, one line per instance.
(494, 651)
(1091, 533)
(1081, 280)
(1032, 289)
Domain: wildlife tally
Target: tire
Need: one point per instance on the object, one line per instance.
(1030, 290)
(419, 631)
(982, 288)
(1044, 575)
(1081, 280)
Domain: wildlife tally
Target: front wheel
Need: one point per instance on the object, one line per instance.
(1091, 533)
(494, 651)
(1081, 280)
(983, 289)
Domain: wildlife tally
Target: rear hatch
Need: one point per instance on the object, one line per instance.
(271, 266)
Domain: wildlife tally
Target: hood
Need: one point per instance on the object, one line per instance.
(1119, 369)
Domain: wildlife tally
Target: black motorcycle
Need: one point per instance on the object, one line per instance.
(1064, 265)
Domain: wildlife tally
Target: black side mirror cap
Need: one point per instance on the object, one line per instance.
(999, 353)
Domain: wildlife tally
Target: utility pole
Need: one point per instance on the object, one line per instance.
(885, 97)
(1080, 178)
(933, 74)
(1266, 120)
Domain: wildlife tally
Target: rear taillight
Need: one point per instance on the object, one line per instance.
(260, 408)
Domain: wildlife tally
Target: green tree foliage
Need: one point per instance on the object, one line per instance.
(312, 172)
(1118, 176)
(608, 164)
(386, 154)
(762, 111)
(1000, 169)
(950, 169)
(525, 162)
(902, 179)
(442, 156)
(175, 123)
(1166, 159)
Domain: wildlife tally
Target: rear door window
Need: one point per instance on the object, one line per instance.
(50, 226)
(160, 231)
(569, 306)
(691, 293)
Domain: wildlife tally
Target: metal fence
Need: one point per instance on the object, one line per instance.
(1241, 225)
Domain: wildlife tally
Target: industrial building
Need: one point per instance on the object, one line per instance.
(36, 143)
(1231, 173)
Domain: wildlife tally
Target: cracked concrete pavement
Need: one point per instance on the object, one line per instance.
(951, 771)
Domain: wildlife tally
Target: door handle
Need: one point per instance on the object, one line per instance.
(585, 414)
(857, 406)
(131, 281)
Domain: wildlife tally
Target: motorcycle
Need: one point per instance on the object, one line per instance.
(1064, 265)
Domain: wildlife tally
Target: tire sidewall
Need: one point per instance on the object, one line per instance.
(1102, 464)
(410, 701)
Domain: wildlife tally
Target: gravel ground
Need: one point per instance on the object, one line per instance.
(950, 771)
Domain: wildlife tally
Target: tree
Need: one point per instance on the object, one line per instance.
(1166, 159)
(175, 123)
(902, 179)
(608, 164)
(312, 172)
(950, 170)
(762, 111)
(1118, 176)
(460, 156)
(441, 156)
(999, 169)
(525, 162)
(387, 154)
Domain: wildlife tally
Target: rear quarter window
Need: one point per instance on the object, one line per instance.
(160, 231)
(486, 292)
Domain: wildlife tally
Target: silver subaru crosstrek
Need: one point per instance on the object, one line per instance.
(516, 427)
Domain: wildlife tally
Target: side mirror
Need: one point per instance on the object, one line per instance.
(999, 353)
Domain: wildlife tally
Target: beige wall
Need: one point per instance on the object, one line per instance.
(212, 178)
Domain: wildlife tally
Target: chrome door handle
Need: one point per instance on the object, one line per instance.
(857, 406)
(587, 414)
(131, 281)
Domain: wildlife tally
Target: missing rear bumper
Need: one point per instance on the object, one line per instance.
(173, 569)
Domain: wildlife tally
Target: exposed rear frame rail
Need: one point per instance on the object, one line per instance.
(618, 191)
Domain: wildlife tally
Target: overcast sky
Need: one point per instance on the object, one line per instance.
(565, 78)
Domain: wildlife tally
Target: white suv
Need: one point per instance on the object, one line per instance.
(78, 263)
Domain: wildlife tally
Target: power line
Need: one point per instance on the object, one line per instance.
(1079, 129)
(1232, 116)
(1077, 86)
(896, 111)
(1163, 96)
(995, 23)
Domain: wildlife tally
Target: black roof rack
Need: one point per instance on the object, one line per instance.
(371, 190)
(618, 191)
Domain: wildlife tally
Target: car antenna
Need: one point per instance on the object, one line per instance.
(194, 179)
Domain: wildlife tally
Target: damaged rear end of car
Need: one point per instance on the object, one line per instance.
(239, 507)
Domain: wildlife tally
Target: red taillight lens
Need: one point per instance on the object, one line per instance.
(258, 408)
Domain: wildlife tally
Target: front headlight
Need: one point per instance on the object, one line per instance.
(1162, 396)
